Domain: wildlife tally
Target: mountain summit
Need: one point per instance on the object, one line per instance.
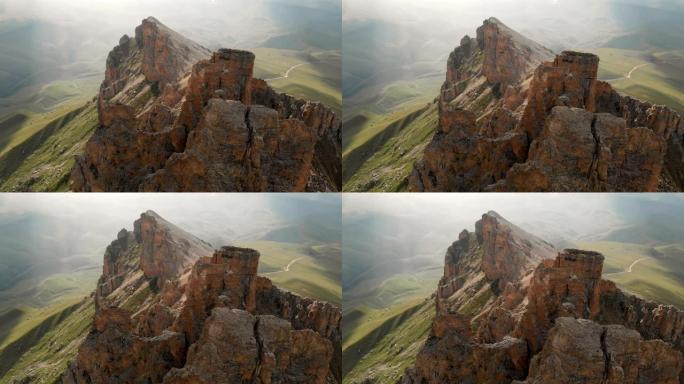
(514, 118)
(169, 309)
(510, 309)
(175, 117)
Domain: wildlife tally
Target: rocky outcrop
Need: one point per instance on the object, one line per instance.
(510, 120)
(579, 350)
(174, 117)
(508, 252)
(505, 252)
(507, 55)
(196, 317)
(155, 250)
(554, 320)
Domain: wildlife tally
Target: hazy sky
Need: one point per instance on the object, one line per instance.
(213, 217)
(214, 23)
(553, 216)
(558, 24)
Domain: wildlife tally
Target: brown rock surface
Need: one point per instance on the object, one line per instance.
(155, 249)
(509, 120)
(582, 351)
(174, 117)
(194, 317)
(534, 319)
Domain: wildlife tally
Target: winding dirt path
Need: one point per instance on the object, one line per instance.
(629, 269)
(287, 73)
(287, 267)
(629, 75)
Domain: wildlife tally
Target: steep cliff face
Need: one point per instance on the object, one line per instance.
(551, 319)
(175, 117)
(171, 310)
(513, 119)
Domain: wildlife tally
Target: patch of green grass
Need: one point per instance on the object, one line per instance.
(43, 162)
(365, 121)
(43, 353)
(386, 161)
(316, 77)
(312, 272)
(659, 78)
(25, 308)
(42, 104)
(384, 353)
(477, 302)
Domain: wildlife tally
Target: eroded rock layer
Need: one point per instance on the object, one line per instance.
(512, 119)
(171, 311)
(175, 117)
(511, 311)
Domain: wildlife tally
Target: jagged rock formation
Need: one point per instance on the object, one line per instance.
(175, 117)
(541, 317)
(170, 311)
(512, 119)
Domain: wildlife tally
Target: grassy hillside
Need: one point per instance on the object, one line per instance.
(384, 161)
(656, 76)
(311, 271)
(389, 344)
(41, 355)
(657, 272)
(312, 75)
(44, 160)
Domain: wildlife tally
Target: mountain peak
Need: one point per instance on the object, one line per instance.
(500, 250)
(153, 20)
(151, 213)
(508, 251)
(493, 214)
(508, 55)
(166, 54)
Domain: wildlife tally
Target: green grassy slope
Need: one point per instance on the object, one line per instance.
(383, 354)
(384, 161)
(29, 303)
(657, 76)
(42, 354)
(316, 76)
(657, 275)
(370, 315)
(43, 161)
(313, 270)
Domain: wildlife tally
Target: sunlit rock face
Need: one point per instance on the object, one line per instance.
(514, 118)
(176, 117)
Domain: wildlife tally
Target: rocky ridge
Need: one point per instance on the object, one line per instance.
(513, 118)
(541, 316)
(175, 117)
(169, 309)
